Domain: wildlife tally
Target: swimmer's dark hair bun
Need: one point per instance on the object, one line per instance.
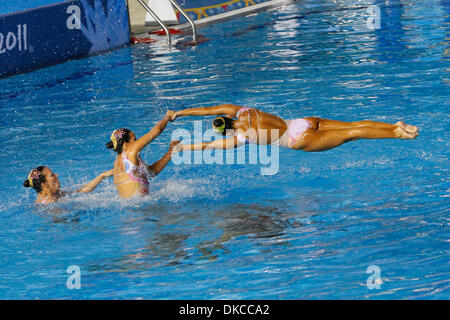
(110, 145)
(26, 184)
(218, 122)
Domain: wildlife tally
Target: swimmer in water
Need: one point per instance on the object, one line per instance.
(131, 173)
(47, 185)
(250, 125)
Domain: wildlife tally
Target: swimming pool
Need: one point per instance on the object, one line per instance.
(20, 5)
(225, 231)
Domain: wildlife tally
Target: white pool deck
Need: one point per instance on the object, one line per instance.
(137, 16)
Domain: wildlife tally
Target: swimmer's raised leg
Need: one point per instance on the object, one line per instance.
(320, 140)
(326, 124)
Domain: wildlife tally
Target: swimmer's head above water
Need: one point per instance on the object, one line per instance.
(223, 124)
(119, 137)
(46, 183)
(42, 179)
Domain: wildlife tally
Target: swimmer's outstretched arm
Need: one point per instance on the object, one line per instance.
(216, 144)
(159, 165)
(94, 183)
(139, 144)
(224, 109)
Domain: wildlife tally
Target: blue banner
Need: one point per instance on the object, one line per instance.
(54, 33)
(198, 9)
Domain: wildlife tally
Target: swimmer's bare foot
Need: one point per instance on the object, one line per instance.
(403, 134)
(408, 128)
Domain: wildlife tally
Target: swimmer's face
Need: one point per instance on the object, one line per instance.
(51, 180)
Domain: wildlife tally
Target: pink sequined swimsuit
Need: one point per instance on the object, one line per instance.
(139, 173)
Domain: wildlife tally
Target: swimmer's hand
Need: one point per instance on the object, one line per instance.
(175, 146)
(171, 115)
(94, 183)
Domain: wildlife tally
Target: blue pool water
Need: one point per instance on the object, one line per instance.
(7, 7)
(215, 231)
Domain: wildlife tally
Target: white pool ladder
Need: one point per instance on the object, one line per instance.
(191, 22)
(162, 24)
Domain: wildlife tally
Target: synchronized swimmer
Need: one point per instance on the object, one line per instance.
(131, 173)
(46, 183)
(242, 124)
(246, 125)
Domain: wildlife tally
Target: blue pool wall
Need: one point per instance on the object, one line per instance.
(57, 32)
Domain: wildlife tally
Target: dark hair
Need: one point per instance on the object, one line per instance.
(218, 122)
(125, 138)
(37, 182)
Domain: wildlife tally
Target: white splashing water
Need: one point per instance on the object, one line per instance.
(173, 190)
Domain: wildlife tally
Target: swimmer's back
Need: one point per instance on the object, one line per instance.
(262, 122)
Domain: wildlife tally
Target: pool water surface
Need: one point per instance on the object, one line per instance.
(224, 231)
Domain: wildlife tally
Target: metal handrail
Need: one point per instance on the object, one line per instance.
(166, 30)
(191, 22)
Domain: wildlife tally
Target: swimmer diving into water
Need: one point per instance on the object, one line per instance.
(131, 173)
(45, 182)
(307, 134)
